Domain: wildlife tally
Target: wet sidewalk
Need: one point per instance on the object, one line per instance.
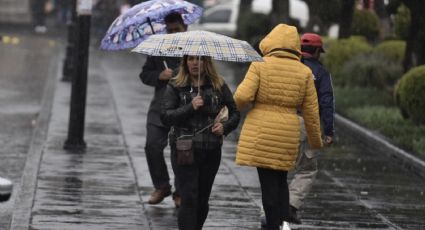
(108, 185)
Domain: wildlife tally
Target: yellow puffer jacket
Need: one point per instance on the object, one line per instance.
(277, 87)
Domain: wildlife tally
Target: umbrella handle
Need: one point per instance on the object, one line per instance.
(150, 24)
(199, 75)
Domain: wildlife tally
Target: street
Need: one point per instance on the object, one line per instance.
(108, 186)
(24, 66)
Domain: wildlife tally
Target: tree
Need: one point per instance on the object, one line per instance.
(415, 44)
(383, 17)
(322, 14)
(244, 10)
(347, 11)
(280, 12)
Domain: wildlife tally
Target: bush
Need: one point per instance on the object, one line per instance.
(402, 22)
(339, 52)
(370, 71)
(391, 50)
(359, 97)
(410, 94)
(389, 123)
(365, 23)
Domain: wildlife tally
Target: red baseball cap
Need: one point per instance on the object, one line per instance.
(310, 39)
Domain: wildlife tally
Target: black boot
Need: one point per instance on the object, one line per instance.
(293, 218)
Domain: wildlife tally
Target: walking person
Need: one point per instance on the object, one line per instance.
(306, 168)
(190, 106)
(64, 11)
(39, 15)
(270, 135)
(157, 71)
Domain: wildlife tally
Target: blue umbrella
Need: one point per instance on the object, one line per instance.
(145, 19)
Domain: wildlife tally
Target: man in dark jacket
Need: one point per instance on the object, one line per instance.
(306, 168)
(156, 73)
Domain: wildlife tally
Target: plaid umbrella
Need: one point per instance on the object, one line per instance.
(145, 19)
(198, 43)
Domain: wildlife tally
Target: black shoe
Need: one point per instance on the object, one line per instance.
(293, 218)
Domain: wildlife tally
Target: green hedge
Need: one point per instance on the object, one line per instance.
(373, 71)
(389, 123)
(375, 110)
(365, 23)
(340, 51)
(347, 97)
(392, 50)
(410, 94)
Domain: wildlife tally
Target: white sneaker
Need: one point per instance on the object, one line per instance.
(285, 226)
(40, 29)
(6, 187)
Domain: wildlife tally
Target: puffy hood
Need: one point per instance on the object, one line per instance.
(283, 40)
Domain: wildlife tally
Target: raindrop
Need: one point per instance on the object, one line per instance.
(359, 160)
(364, 193)
(422, 193)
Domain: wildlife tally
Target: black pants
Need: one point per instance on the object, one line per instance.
(156, 141)
(195, 184)
(37, 10)
(275, 196)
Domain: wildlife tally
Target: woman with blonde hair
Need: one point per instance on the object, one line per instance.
(190, 105)
(269, 140)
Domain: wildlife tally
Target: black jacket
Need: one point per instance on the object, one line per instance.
(150, 76)
(323, 83)
(177, 111)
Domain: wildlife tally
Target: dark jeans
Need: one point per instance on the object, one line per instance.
(195, 184)
(38, 13)
(156, 141)
(275, 196)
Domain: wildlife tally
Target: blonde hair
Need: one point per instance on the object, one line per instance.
(183, 79)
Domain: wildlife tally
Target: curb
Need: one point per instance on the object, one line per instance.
(21, 216)
(375, 143)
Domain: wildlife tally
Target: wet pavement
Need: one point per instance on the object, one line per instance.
(24, 65)
(108, 185)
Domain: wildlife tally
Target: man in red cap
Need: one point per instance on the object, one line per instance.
(306, 167)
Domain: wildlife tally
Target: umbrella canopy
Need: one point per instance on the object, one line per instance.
(145, 19)
(198, 43)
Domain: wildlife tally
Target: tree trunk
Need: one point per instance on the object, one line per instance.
(415, 44)
(314, 17)
(244, 8)
(347, 11)
(280, 12)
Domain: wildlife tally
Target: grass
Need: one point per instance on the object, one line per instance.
(375, 110)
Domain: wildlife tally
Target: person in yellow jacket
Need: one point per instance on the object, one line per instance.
(269, 139)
